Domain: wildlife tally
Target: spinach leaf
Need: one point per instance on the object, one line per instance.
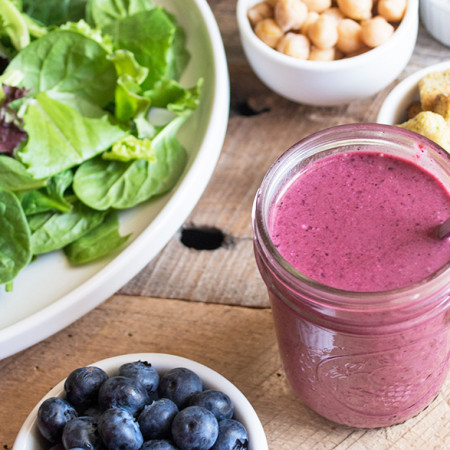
(38, 201)
(66, 61)
(98, 242)
(156, 42)
(103, 12)
(53, 231)
(103, 184)
(50, 198)
(57, 185)
(14, 176)
(15, 249)
(55, 12)
(60, 138)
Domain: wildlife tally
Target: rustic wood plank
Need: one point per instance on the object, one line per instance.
(238, 342)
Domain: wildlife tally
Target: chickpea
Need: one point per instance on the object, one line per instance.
(392, 10)
(317, 5)
(290, 14)
(356, 9)
(269, 32)
(349, 36)
(310, 19)
(258, 12)
(322, 54)
(323, 32)
(334, 12)
(295, 45)
(376, 31)
(360, 51)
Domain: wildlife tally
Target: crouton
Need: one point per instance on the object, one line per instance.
(431, 85)
(441, 105)
(431, 125)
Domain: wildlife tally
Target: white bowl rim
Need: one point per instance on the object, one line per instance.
(163, 362)
(411, 13)
(403, 89)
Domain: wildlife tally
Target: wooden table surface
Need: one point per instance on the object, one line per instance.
(211, 305)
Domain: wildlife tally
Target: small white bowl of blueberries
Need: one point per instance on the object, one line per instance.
(143, 401)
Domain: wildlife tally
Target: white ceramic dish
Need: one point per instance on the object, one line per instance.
(435, 15)
(393, 110)
(50, 294)
(29, 439)
(331, 82)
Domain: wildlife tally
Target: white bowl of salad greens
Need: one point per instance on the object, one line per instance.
(112, 118)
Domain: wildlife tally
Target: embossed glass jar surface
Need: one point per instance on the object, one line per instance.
(363, 359)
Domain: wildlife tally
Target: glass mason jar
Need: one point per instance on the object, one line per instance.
(362, 359)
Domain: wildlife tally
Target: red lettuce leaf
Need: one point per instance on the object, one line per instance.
(11, 131)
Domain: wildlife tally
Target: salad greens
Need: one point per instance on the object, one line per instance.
(83, 79)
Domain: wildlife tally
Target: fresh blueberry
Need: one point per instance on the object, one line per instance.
(156, 419)
(82, 385)
(179, 384)
(93, 411)
(215, 401)
(232, 436)
(122, 392)
(81, 432)
(142, 371)
(158, 444)
(53, 414)
(195, 428)
(119, 430)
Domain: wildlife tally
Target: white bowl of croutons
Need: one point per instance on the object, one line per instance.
(323, 52)
(421, 103)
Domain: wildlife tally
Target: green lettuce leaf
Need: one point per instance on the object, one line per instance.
(126, 64)
(12, 24)
(85, 29)
(60, 138)
(130, 148)
(129, 101)
(177, 99)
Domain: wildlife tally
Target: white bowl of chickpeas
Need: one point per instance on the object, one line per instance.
(327, 52)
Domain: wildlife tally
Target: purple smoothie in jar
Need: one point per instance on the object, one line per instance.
(359, 284)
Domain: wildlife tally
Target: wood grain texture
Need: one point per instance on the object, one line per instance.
(237, 342)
